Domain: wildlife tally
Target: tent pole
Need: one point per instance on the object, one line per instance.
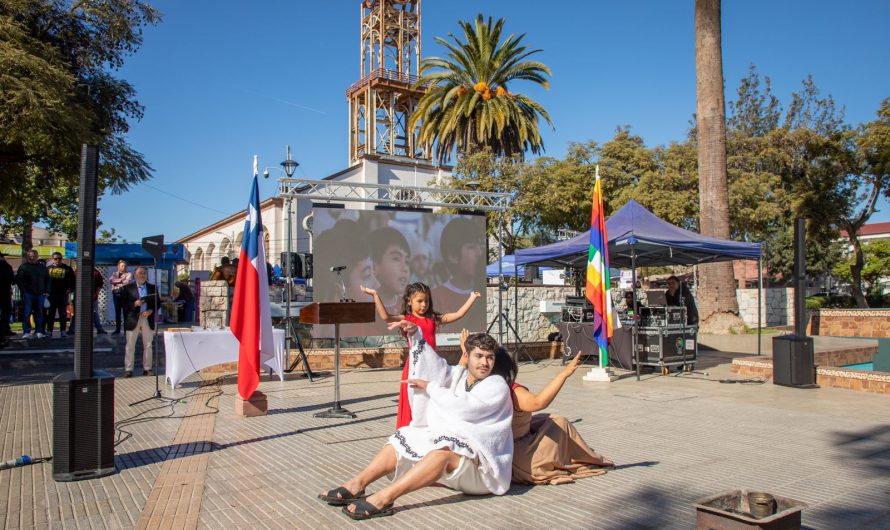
(633, 289)
(516, 298)
(759, 300)
(500, 279)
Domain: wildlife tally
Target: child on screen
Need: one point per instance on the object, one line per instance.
(417, 308)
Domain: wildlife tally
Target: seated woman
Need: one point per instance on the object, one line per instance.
(546, 447)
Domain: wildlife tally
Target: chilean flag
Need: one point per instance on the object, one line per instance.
(251, 320)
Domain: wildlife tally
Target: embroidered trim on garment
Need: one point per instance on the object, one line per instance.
(417, 350)
(398, 436)
(456, 441)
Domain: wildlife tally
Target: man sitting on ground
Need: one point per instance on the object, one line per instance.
(460, 435)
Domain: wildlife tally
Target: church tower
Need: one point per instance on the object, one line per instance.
(381, 102)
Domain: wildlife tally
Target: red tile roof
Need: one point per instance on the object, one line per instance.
(871, 229)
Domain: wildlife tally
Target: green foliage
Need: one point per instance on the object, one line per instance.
(467, 105)
(57, 93)
(877, 265)
(816, 302)
(109, 236)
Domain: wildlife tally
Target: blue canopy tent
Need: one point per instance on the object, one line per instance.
(636, 234)
(509, 267)
(639, 238)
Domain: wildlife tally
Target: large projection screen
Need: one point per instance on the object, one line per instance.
(389, 249)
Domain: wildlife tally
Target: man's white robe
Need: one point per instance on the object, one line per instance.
(475, 424)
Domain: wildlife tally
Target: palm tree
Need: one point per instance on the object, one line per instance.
(467, 104)
(717, 287)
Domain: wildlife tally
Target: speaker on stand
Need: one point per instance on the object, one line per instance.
(83, 400)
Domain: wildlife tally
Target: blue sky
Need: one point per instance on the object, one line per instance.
(224, 80)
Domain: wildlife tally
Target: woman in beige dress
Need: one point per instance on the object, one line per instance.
(546, 447)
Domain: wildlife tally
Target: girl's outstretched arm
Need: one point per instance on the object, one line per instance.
(448, 318)
(381, 309)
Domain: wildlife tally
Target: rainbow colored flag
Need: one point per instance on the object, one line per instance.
(598, 281)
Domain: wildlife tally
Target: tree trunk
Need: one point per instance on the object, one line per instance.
(27, 240)
(856, 269)
(717, 301)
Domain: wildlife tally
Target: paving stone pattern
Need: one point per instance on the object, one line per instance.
(675, 439)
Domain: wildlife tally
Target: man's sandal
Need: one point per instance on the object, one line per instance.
(341, 496)
(366, 510)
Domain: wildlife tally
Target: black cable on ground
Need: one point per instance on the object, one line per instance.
(123, 435)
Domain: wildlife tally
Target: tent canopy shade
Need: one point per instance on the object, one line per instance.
(635, 230)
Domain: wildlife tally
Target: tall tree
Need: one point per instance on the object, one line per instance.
(717, 287)
(468, 106)
(57, 92)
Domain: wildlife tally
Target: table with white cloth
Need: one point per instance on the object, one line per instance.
(189, 351)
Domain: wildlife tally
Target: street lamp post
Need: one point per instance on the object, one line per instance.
(290, 165)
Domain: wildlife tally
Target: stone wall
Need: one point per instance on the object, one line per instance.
(214, 303)
(534, 326)
(777, 306)
(832, 376)
(872, 323)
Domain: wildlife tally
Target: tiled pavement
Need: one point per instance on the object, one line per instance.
(675, 439)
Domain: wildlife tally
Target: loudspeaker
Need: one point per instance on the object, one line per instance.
(154, 245)
(83, 426)
(290, 261)
(794, 361)
(306, 257)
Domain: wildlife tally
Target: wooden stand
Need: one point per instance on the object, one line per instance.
(257, 405)
(337, 313)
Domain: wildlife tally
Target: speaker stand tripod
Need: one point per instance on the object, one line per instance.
(292, 337)
(520, 346)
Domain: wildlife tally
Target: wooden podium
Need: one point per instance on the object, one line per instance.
(337, 313)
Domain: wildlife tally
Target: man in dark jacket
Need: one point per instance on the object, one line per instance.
(6, 280)
(61, 284)
(33, 281)
(679, 295)
(140, 305)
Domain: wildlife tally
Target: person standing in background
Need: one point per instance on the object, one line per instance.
(33, 281)
(6, 280)
(61, 284)
(119, 279)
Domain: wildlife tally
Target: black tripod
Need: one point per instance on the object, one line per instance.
(154, 343)
(292, 336)
(505, 317)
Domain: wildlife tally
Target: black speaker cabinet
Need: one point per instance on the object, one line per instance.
(291, 261)
(794, 361)
(83, 426)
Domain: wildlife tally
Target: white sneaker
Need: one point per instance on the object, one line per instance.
(40, 335)
(62, 334)
(30, 335)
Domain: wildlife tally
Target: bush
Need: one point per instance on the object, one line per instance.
(816, 302)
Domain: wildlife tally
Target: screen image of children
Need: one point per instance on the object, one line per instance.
(463, 251)
(347, 240)
(390, 254)
(350, 239)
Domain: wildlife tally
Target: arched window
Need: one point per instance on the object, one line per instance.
(225, 248)
(266, 240)
(238, 239)
(209, 258)
(198, 260)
